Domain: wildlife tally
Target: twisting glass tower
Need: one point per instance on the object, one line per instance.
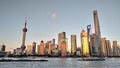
(97, 32)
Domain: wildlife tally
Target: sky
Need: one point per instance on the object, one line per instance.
(47, 18)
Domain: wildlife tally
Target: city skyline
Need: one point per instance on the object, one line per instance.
(48, 21)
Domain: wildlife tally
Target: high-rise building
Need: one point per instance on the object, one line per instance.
(17, 51)
(23, 38)
(34, 48)
(61, 35)
(108, 47)
(79, 51)
(96, 23)
(89, 32)
(73, 44)
(103, 47)
(48, 47)
(38, 49)
(29, 49)
(3, 47)
(41, 48)
(114, 48)
(118, 51)
(94, 43)
(53, 42)
(97, 30)
(63, 46)
(84, 43)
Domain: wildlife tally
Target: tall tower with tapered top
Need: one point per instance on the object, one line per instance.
(97, 33)
(24, 37)
(96, 23)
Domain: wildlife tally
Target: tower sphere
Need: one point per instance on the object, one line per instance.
(24, 29)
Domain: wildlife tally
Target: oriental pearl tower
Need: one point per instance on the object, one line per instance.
(23, 38)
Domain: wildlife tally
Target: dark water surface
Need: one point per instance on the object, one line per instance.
(64, 63)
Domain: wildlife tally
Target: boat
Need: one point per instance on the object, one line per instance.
(92, 59)
(22, 60)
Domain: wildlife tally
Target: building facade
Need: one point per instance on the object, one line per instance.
(29, 49)
(33, 48)
(84, 43)
(108, 47)
(94, 45)
(103, 47)
(73, 44)
(60, 36)
(3, 47)
(63, 46)
(41, 48)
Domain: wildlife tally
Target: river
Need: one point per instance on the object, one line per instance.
(64, 63)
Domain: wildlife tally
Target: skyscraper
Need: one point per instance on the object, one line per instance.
(41, 48)
(50, 47)
(29, 49)
(23, 38)
(108, 47)
(97, 31)
(34, 48)
(84, 43)
(94, 45)
(3, 47)
(61, 35)
(96, 23)
(89, 32)
(103, 47)
(114, 48)
(73, 44)
(53, 42)
(63, 46)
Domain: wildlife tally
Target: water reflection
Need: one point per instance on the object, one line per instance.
(64, 63)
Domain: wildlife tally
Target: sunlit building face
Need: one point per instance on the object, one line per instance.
(41, 48)
(73, 44)
(63, 48)
(84, 43)
(29, 49)
(61, 36)
(103, 47)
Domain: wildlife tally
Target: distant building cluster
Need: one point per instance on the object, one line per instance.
(92, 44)
(2, 50)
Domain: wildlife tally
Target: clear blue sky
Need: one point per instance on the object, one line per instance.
(46, 18)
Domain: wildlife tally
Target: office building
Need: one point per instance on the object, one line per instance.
(17, 51)
(103, 47)
(29, 49)
(108, 48)
(33, 48)
(63, 46)
(60, 36)
(3, 47)
(53, 42)
(96, 24)
(94, 43)
(97, 30)
(41, 48)
(89, 32)
(78, 51)
(73, 44)
(84, 43)
(115, 48)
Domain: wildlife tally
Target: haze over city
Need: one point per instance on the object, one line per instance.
(47, 18)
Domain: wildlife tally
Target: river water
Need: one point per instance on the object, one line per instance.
(64, 63)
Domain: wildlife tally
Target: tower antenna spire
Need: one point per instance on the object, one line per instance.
(25, 21)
